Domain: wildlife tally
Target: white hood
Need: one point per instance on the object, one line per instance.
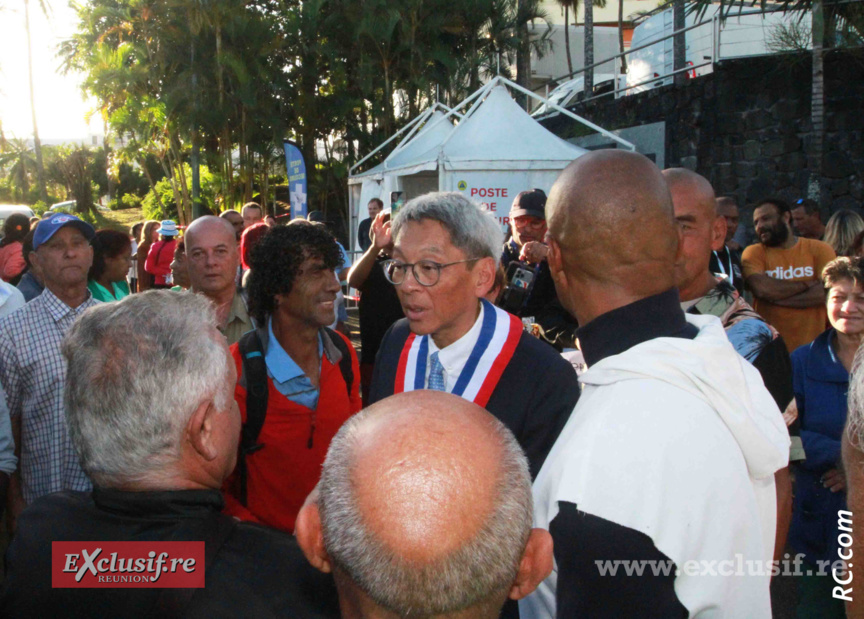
(709, 368)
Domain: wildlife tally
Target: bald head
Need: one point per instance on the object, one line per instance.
(691, 187)
(207, 226)
(426, 504)
(433, 458)
(610, 219)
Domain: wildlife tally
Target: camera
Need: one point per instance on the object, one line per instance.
(519, 280)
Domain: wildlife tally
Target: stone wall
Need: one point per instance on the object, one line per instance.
(746, 126)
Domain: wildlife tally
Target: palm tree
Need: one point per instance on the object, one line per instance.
(679, 43)
(621, 37)
(588, 19)
(567, 4)
(18, 158)
(589, 48)
(37, 143)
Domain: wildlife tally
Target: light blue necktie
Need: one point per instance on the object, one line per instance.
(436, 374)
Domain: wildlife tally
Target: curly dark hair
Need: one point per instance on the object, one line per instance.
(107, 244)
(276, 262)
(15, 228)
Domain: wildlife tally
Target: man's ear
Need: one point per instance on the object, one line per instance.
(718, 233)
(484, 273)
(307, 530)
(536, 564)
(553, 257)
(199, 430)
(34, 261)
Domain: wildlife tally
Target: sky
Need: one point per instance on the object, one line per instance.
(60, 107)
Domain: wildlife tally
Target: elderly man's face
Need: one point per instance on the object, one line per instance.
(448, 309)
(64, 259)
(212, 259)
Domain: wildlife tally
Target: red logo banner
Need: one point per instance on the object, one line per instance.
(104, 565)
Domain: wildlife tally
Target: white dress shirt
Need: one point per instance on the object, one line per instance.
(454, 357)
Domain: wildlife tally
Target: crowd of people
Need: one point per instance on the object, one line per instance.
(201, 385)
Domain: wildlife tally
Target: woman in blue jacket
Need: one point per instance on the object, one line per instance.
(821, 380)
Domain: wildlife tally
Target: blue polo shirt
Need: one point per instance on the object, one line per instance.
(287, 376)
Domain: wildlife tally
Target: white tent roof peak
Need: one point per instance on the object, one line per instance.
(433, 133)
(499, 130)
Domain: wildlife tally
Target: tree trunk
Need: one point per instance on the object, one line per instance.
(106, 145)
(37, 143)
(266, 184)
(183, 210)
(817, 105)
(523, 53)
(142, 162)
(588, 6)
(679, 42)
(567, 38)
(621, 38)
(169, 173)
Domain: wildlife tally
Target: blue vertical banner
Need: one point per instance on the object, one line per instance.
(296, 179)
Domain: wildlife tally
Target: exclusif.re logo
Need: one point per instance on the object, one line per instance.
(790, 272)
(127, 565)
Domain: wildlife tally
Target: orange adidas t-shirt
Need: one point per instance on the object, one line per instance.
(802, 262)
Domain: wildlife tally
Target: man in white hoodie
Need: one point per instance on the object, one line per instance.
(660, 488)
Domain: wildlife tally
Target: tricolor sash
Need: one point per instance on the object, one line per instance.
(499, 335)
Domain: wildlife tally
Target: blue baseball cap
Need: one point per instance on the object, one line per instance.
(47, 227)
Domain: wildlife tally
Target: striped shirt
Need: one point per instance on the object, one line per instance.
(33, 373)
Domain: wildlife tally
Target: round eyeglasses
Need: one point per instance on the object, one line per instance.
(426, 272)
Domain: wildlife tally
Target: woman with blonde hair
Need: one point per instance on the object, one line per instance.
(841, 230)
(149, 235)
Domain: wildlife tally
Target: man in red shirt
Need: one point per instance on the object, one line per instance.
(298, 380)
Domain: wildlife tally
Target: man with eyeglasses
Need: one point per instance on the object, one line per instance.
(529, 291)
(445, 256)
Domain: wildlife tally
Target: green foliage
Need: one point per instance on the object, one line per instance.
(164, 189)
(40, 207)
(130, 200)
(152, 209)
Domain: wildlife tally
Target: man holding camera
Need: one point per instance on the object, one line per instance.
(530, 292)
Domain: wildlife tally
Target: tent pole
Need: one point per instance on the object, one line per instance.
(628, 145)
(385, 143)
(425, 116)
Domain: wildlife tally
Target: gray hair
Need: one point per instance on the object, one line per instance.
(855, 405)
(472, 229)
(138, 369)
(476, 575)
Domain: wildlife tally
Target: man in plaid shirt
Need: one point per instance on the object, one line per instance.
(32, 370)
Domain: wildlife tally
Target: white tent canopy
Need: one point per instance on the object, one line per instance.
(495, 151)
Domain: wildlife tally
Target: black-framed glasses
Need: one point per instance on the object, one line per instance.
(426, 272)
